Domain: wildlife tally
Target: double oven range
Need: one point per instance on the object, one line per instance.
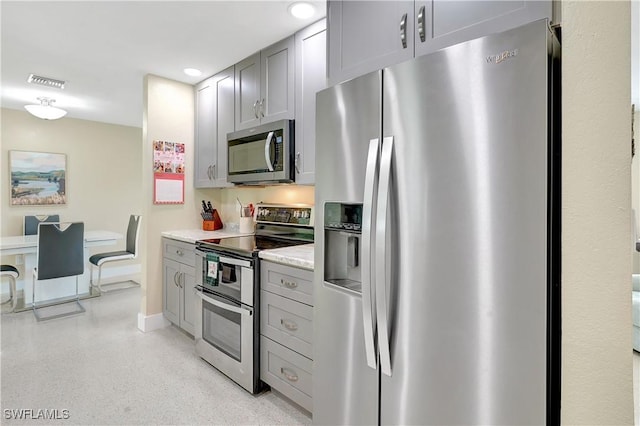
(228, 290)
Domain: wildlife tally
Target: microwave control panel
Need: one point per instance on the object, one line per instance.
(294, 215)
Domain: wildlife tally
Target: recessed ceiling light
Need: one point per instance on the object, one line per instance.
(192, 72)
(302, 10)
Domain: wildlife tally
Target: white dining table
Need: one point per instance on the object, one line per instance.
(25, 247)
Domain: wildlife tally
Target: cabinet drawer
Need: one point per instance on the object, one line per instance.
(286, 371)
(289, 282)
(287, 322)
(179, 251)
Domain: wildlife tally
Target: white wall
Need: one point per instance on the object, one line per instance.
(596, 260)
(103, 171)
(635, 186)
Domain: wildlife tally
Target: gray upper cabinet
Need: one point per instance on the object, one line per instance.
(365, 36)
(265, 86)
(311, 77)
(215, 100)
(449, 22)
(368, 35)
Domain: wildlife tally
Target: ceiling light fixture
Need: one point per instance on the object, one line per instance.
(302, 10)
(45, 110)
(192, 72)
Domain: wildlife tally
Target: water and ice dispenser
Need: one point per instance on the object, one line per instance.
(342, 245)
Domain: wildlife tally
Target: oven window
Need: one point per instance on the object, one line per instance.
(221, 328)
(228, 282)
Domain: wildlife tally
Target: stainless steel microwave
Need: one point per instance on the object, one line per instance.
(262, 154)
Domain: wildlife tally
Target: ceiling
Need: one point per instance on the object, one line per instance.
(103, 49)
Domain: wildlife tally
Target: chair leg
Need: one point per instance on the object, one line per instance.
(14, 294)
(99, 278)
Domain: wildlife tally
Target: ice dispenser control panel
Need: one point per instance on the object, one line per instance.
(342, 239)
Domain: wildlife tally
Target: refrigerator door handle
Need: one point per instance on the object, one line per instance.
(382, 275)
(368, 287)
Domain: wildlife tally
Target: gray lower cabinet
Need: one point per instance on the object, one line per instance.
(178, 301)
(265, 86)
(365, 36)
(214, 99)
(286, 329)
(311, 77)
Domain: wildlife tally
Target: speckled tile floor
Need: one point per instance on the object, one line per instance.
(97, 368)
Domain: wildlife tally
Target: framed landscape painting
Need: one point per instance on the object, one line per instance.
(38, 178)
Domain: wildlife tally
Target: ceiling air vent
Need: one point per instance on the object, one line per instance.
(46, 81)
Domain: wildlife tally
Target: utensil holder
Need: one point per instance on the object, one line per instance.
(246, 225)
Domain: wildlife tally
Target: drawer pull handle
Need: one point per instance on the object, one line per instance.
(288, 324)
(179, 252)
(289, 284)
(290, 376)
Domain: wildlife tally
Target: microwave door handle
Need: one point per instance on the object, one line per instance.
(267, 151)
(224, 306)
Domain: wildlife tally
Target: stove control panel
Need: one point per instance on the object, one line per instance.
(282, 214)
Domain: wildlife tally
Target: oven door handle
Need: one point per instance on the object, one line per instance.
(224, 306)
(226, 260)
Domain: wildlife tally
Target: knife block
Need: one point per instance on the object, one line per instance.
(212, 225)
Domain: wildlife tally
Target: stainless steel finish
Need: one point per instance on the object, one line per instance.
(255, 110)
(240, 372)
(297, 163)
(262, 108)
(403, 31)
(234, 261)
(338, 317)
(471, 273)
(248, 161)
(421, 24)
(225, 306)
(368, 283)
(267, 152)
(383, 278)
(461, 240)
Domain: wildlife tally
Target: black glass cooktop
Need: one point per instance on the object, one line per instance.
(249, 244)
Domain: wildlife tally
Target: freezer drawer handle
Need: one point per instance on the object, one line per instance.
(288, 324)
(288, 284)
(403, 31)
(288, 374)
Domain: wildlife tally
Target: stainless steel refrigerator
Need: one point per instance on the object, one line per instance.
(437, 294)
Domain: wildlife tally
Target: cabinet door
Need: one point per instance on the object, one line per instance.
(277, 68)
(247, 92)
(366, 36)
(188, 299)
(450, 22)
(171, 290)
(205, 138)
(311, 77)
(225, 113)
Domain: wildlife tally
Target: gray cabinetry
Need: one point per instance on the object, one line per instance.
(311, 77)
(286, 328)
(214, 119)
(178, 302)
(265, 86)
(368, 35)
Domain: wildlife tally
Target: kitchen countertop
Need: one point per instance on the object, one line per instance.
(193, 235)
(296, 256)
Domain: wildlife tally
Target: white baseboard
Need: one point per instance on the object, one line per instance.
(147, 323)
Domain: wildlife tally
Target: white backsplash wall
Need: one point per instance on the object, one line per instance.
(227, 205)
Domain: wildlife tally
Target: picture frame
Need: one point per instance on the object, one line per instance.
(37, 178)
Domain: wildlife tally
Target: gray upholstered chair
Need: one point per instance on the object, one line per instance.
(30, 224)
(60, 254)
(130, 252)
(10, 271)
